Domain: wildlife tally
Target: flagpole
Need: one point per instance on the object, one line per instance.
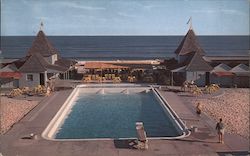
(191, 24)
(41, 25)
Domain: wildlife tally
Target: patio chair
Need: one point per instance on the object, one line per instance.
(142, 141)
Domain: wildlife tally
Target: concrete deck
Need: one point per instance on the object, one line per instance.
(204, 142)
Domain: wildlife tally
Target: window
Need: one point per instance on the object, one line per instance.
(29, 77)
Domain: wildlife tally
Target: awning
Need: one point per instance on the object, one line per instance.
(100, 65)
(15, 75)
(221, 74)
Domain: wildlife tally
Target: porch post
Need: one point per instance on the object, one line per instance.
(172, 78)
(45, 78)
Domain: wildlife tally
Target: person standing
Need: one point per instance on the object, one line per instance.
(220, 130)
(198, 108)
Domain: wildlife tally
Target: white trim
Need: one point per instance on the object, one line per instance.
(29, 79)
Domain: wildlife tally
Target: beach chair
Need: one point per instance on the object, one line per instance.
(106, 76)
(86, 79)
(142, 141)
(109, 77)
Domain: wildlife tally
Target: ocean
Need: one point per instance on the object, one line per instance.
(125, 47)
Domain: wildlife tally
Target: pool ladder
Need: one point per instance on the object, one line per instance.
(126, 91)
(101, 91)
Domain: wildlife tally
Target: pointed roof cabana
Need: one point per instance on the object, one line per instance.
(190, 57)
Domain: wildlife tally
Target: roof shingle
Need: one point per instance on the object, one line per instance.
(197, 63)
(189, 44)
(42, 45)
(36, 64)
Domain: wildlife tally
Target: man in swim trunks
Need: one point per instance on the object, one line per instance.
(220, 129)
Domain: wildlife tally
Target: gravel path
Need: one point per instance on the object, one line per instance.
(232, 107)
(12, 110)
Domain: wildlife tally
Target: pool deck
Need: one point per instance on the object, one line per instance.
(203, 142)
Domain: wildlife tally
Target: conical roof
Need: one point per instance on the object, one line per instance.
(189, 44)
(197, 63)
(36, 64)
(42, 45)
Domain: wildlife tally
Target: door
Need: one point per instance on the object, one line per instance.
(42, 79)
(207, 78)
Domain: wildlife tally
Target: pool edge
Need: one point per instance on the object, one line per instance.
(56, 121)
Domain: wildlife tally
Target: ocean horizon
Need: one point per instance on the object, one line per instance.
(125, 47)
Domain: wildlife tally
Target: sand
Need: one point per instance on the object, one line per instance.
(232, 107)
(12, 110)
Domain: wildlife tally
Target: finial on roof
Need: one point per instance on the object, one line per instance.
(41, 26)
(190, 23)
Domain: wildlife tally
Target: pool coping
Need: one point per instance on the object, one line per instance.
(56, 121)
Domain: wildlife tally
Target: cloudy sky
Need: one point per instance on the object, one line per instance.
(120, 17)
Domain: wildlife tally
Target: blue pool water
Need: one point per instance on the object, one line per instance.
(114, 116)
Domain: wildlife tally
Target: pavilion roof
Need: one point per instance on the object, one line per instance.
(221, 68)
(42, 45)
(241, 70)
(194, 63)
(101, 65)
(189, 44)
(197, 63)
(36, 63)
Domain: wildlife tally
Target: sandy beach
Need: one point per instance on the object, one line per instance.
(12, 110)
(232, 106)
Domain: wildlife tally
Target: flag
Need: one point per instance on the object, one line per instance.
(189, 20)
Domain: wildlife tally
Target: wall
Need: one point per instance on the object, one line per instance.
(198, 78)
(8, 85)
(222, 81)
(11, 83)
(241, 81)
(23, 82)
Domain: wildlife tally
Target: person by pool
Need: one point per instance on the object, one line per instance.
(220, 129)
(198, 108)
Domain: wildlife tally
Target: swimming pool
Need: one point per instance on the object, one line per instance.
(107, 112)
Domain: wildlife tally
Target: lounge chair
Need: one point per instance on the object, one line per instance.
(142, 137)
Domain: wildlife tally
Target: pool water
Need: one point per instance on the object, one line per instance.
(114, 116)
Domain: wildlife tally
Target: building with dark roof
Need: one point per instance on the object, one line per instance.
(41, 62)
(191, 64)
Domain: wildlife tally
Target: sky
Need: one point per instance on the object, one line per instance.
(124, 17)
